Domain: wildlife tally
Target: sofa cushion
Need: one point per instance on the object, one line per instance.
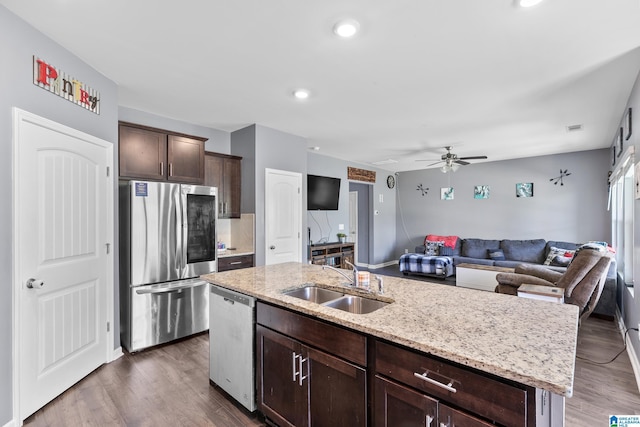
(561, 245)
(469, 260)
(495, 254)
(477, 248)
(524, 250)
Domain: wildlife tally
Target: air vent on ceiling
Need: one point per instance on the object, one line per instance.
(384, 162)
(574, 128)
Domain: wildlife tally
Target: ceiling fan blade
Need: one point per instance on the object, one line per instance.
(461, 162)
(472, 158)
(427, 160)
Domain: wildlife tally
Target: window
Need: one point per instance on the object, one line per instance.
(621, 201)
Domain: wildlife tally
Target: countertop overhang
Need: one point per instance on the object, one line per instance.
(528, 341)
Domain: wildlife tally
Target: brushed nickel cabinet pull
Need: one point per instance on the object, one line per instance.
(424, 377)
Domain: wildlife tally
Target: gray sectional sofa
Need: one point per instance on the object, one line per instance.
(535, 251)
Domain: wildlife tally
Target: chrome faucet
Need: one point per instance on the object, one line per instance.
(353, 281)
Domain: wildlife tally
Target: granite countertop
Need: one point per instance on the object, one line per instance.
(235, 252)
(529, 341)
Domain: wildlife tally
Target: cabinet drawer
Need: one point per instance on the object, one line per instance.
(333, 339)
(235, 262)
(477, 393)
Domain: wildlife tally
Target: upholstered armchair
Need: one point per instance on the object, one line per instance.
(582, 281)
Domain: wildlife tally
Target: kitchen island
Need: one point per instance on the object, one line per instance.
(524, 341)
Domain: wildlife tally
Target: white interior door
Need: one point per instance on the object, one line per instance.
(63, 227)
(283, 216)
(353, 222)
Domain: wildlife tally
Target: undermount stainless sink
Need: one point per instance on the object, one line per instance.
(336, 299)
(314, 294)
(356, 304)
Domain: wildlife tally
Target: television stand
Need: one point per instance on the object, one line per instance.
(333, 254)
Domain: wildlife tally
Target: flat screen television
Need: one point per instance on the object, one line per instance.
(323, 193)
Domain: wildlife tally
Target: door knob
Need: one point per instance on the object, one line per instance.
(272, 247)
(35, 283)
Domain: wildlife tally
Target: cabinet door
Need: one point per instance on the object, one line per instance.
(232, 183)
(396, 405)
(280, 396)
(186, 160)
(142, 153)
(449, 417)
(337, 390)
(213, 177)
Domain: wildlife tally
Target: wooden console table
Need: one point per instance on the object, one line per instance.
(478, 276)
(333, 254)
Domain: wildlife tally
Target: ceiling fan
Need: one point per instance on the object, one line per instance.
(451, 161)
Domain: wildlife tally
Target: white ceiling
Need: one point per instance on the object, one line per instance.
(484, 76)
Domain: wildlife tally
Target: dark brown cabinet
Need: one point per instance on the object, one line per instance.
(235, 262)
(154, 154)
(223, 171)
(300, 384)
(420, 380)
(396, 405)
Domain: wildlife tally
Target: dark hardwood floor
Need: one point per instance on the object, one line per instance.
(169, 386)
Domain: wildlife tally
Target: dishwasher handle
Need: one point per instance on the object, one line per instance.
(233, 297)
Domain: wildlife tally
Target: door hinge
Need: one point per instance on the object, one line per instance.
(298, 190)
(108, 326)
(108, 246)
(108, 171)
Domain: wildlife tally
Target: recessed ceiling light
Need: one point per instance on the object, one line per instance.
(316, 148)
(528, 3)
(346, 28)
(301, 93)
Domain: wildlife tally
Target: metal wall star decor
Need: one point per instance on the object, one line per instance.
(423, 189)
(558, 179)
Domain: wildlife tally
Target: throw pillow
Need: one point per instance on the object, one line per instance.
(495, 254)
(554, 252)
(431, 248)
(561, 261)
(448, 241)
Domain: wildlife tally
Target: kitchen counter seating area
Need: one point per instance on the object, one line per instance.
(525, 343)
(439, 257)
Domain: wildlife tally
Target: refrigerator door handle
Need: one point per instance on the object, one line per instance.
(181, 255)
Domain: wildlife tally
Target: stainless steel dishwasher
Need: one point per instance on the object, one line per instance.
(232, 344)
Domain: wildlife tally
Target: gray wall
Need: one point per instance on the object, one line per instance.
(217, 140)
(262, 148)
(575, 212)
(18, 43)
(382, 235)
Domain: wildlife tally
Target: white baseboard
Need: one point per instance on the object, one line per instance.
(116, 354)
(633, 356)
(11, 423)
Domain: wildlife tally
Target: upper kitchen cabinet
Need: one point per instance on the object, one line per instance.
(155, 154)
(223, 171)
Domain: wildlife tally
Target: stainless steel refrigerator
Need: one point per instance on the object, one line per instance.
(167, 239)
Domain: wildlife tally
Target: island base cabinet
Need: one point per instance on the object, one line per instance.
(397, 405)
(337, 391)
(301, 386)
(280, 397)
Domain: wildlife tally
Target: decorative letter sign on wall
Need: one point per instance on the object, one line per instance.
(58, 82)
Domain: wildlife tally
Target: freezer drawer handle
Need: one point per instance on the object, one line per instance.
(434, 382)
(166, 290)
